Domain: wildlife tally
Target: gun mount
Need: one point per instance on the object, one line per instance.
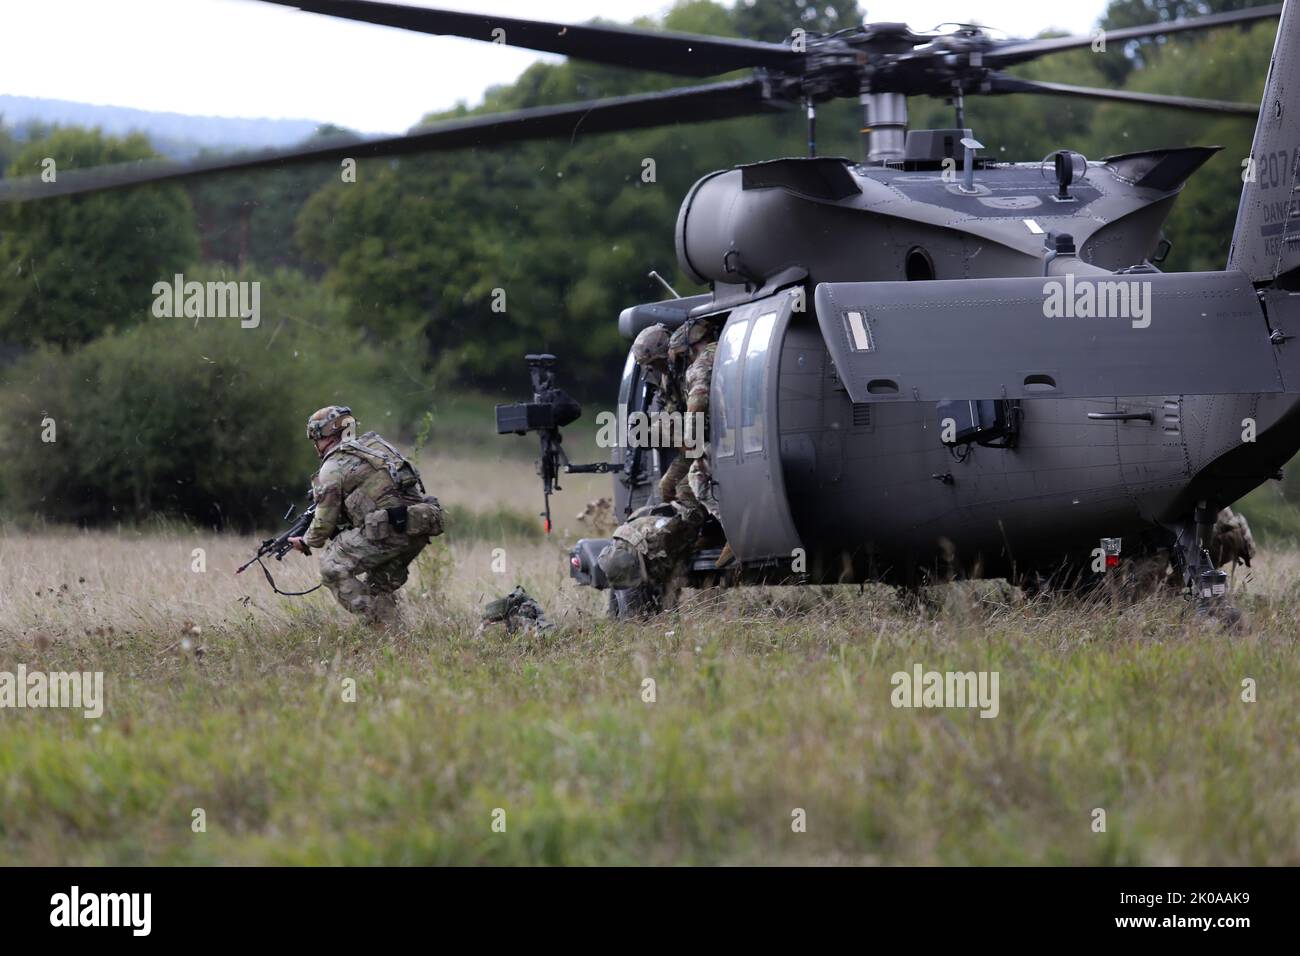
(550, 410)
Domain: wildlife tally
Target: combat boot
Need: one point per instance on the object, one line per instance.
(384, 613)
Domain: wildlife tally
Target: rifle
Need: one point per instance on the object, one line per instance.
(279, 546)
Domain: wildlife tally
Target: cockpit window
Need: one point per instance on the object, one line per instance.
(753, 391)
(725, 371)
(625, 385)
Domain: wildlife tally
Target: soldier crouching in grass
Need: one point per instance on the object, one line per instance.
(372, 516)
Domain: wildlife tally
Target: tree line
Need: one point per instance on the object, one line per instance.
(439, 271)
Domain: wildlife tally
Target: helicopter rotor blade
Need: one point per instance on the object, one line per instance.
(1020, 51)
(663, 52)
(682, 54)
(716, 101)
(1003, 83)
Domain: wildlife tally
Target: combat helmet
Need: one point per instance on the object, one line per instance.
(329, 421)
(622, 565)
(651, 345)
(687, 335)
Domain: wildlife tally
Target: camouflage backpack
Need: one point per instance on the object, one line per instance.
(517, 609)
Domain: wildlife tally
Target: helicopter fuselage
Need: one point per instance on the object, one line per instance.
(829, 470)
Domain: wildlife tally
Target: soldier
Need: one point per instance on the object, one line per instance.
(650, 550)
(683, 362)
(694, 345)
(371, 509)
(650, 350)
(1231, 541)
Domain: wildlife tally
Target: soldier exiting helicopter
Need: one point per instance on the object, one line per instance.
(693, 345)
(650, 351)
(649, 549)
(648, 554)
(682, 362)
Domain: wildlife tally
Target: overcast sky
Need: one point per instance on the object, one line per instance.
(248, 59)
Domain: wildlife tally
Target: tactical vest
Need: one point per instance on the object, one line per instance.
(392, 479)
(635, 533)
(647, 532)
(673, 392)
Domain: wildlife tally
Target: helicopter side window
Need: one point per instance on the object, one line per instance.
(724, 375)
(753, 388)
(625, 386)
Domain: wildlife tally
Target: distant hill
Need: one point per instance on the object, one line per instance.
(175, 135)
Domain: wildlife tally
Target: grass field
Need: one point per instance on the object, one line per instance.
(223, 698)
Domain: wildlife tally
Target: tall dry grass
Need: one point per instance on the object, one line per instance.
(222, 697)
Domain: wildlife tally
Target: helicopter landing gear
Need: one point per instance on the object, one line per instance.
(1207, 584)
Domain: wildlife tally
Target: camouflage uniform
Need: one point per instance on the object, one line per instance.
(516, 610)
(687, 478)
(651, 351)
(1231, 541)
(371, 511)
(672, 483)
(651, 548)
(699, 379)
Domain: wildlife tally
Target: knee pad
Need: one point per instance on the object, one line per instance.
(332, 572)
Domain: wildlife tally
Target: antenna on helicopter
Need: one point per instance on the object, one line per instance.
(1064, 168)
(664, 282)
(968, 163)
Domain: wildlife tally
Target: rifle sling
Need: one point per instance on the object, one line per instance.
(271, 581)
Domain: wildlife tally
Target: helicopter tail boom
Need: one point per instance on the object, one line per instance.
(1266, 240)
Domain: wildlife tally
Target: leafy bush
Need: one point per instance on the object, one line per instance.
(187, 422)
(201, 420)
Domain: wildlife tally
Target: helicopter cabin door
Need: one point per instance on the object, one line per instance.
(745, 450)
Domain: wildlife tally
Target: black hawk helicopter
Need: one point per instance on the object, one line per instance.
(930, 363)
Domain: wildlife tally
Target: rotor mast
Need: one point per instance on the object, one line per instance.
(884, 126)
